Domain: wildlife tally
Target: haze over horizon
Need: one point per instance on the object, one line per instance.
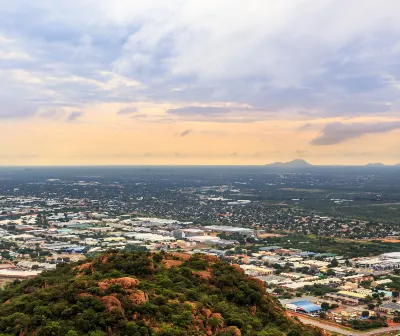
(199, 82)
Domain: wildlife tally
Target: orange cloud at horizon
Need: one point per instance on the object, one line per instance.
(150, 137)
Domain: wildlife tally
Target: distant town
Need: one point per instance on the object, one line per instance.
(342, 271)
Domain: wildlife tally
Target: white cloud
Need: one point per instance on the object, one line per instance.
(336, 57)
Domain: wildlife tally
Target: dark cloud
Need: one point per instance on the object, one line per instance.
(127, 110)
(338, 132)
(184, 133)
(73, 116)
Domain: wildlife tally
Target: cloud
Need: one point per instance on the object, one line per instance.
(337, 132)
(73, 116)
(218, 114)
(199, 111)
(305, 127)
(184, 133)
(127, 110)
(273, 55)
(51, 113)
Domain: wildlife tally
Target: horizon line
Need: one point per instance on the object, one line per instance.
(201, 165)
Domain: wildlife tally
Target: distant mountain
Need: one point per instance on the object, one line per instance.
(291, 164)
(377, 164)
(160, 294)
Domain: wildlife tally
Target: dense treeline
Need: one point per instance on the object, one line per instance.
(144, 294)
(343, 247)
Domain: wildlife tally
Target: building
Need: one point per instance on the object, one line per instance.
(381, 282)
(304, 306)
(274, 279)
(178, 234)
(270, 248)
(256, 270)
(14, 274)
(390, 308)
(346, 297)
(358, 278)
(229, 229)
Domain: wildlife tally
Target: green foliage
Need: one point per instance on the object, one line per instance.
(180, 302)
(325, 305)
(346, 248)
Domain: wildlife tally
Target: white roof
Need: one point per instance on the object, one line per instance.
(17, 273)
(395, 255)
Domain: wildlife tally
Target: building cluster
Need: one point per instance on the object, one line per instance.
(37, 233)
(306, 285)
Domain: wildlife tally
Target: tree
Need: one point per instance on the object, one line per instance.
(325, 305)
(50, 329)
(270, 332)
(334, 263)
(330, 272)
(365, 313)
(5, 255)
(72, 333)
(395, 294)
(97, 333)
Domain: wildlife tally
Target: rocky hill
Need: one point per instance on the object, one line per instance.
(298, 163)
(142, 293)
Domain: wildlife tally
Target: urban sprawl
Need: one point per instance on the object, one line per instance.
(280, 244)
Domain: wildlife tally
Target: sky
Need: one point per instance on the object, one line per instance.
(129, 82)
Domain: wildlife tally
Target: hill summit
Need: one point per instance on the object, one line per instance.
(298, 163)
(142, 293)
(375, 164)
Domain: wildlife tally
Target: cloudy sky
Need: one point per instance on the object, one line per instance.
(199, 81)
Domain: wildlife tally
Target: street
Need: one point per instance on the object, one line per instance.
(343, 331)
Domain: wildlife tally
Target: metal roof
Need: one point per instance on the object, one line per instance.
(391, 305)
(307, 306)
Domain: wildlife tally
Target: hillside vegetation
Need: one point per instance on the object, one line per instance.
(143, 293)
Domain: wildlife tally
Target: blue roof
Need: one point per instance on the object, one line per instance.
(307, 306)
(389, 294)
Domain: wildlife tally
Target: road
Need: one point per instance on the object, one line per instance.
(341, 331)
